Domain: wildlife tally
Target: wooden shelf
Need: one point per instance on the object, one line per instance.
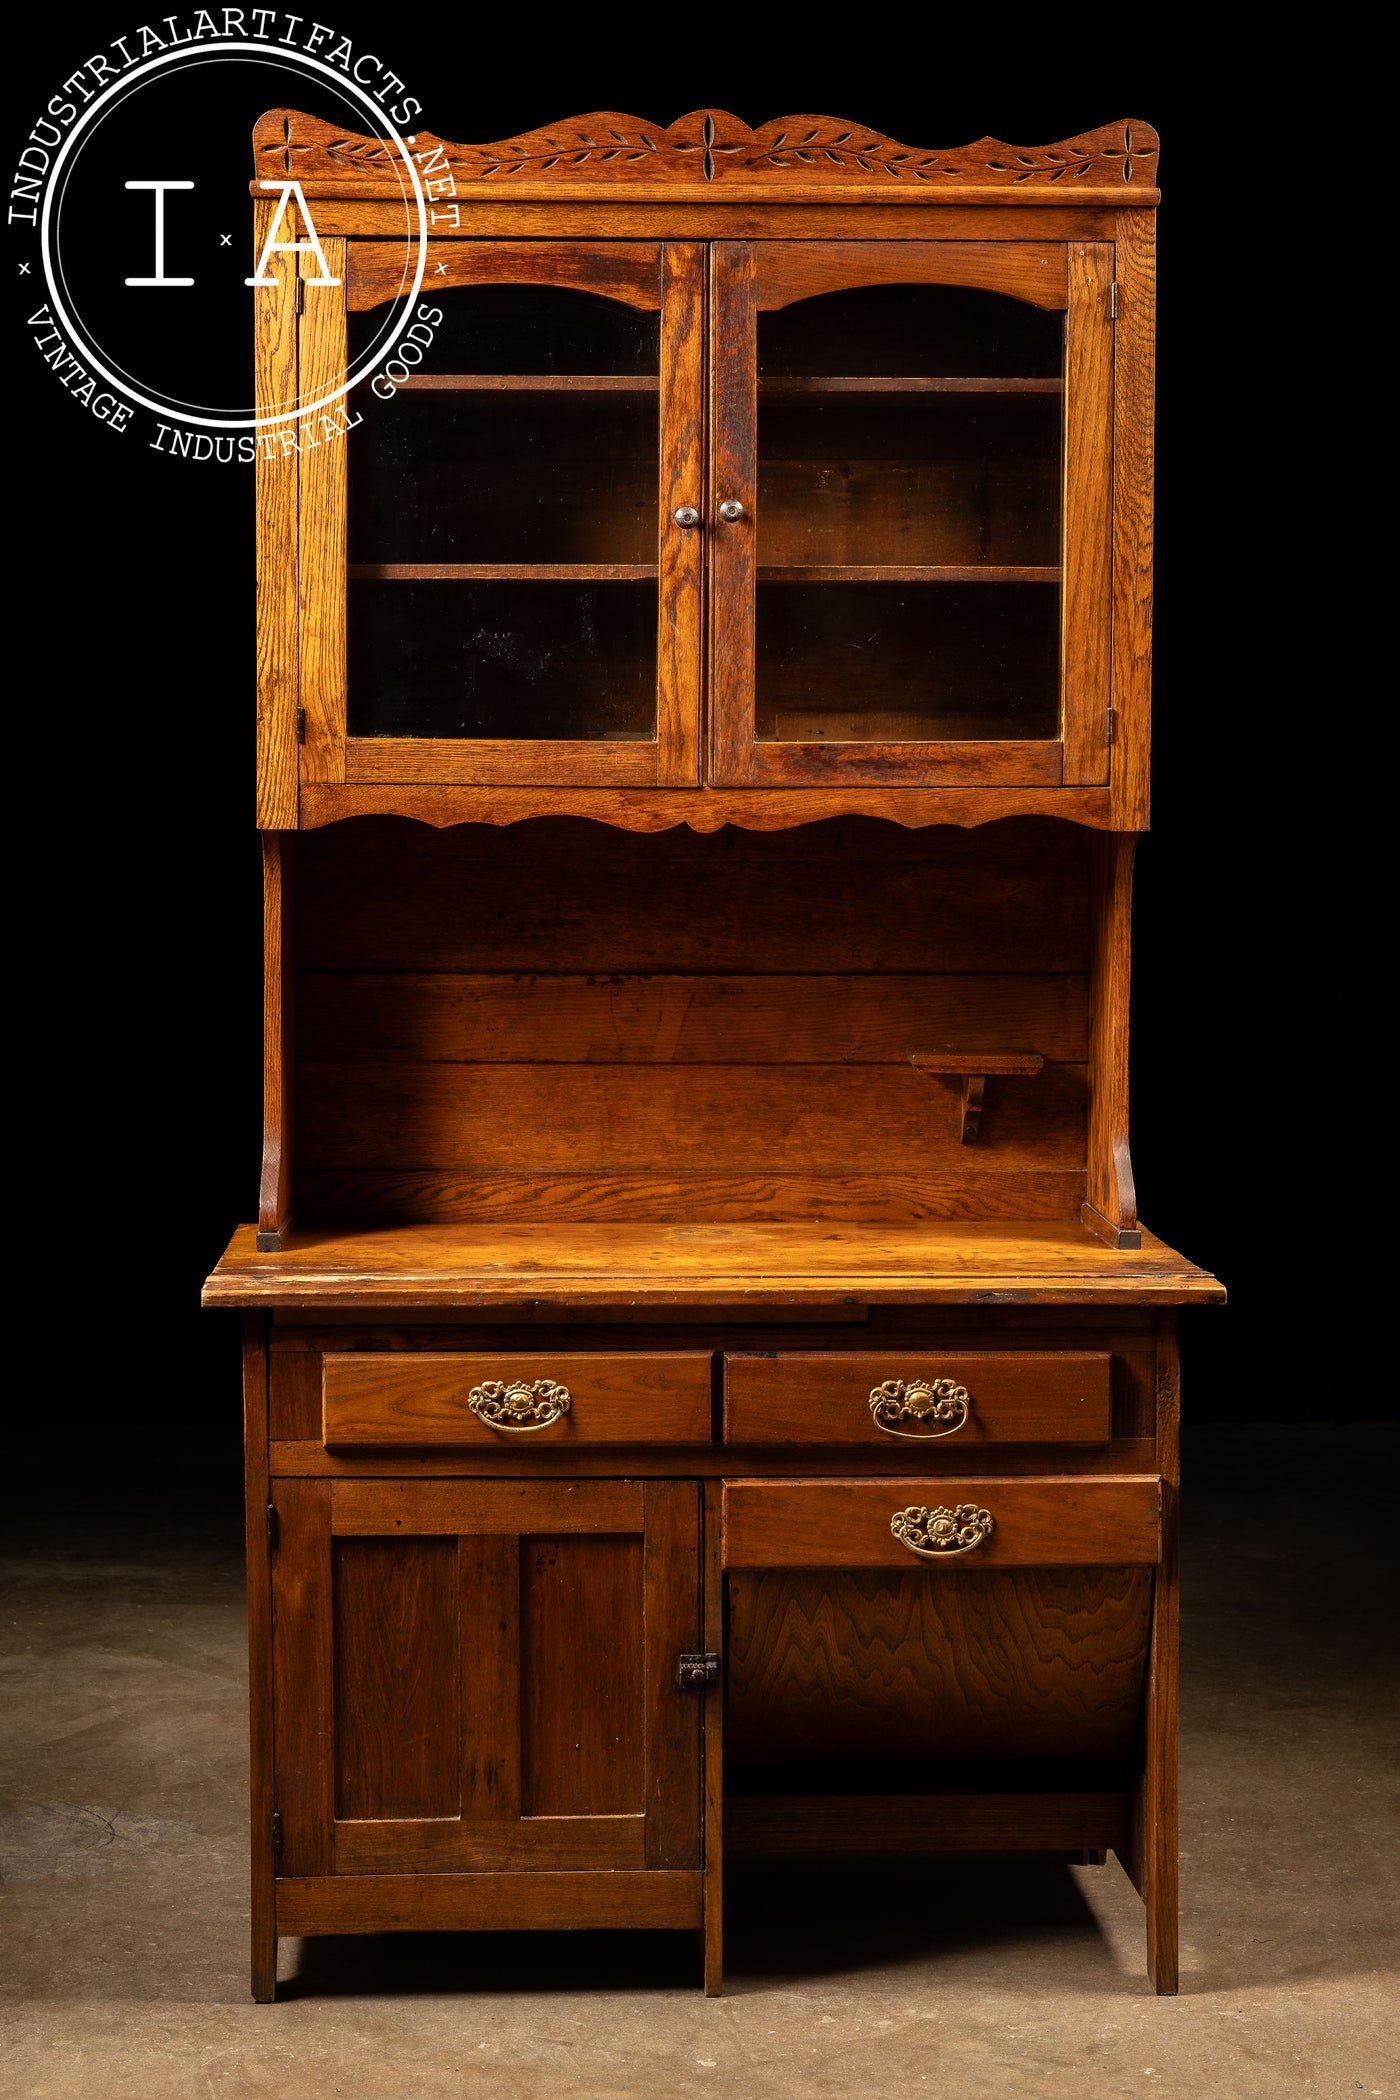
(902, 572)
(800, 388)
(530, 383)
(979, 1262)
(503, 572)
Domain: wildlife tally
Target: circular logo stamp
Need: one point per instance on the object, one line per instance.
(129, 202)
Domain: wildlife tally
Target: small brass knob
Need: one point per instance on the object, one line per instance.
(687, 515)
(731, 510)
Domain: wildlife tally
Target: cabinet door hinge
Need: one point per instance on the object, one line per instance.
(301, 725)
(1112, 301)
(272, 1527)
(299, 296)
(277, 1833)
(696, 1673)
(1110, 724)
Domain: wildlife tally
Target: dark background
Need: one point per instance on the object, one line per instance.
(137, 1094)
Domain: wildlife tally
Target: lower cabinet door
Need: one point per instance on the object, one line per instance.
(480, 1676)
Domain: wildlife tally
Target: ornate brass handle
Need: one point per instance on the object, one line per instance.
(936, 1533)
(940, 1400)
(518, 1406)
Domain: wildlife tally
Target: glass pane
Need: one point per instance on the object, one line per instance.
(493, 660)
(908, 517)
(503, 525)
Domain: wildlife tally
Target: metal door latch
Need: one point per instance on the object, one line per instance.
(696, 1673)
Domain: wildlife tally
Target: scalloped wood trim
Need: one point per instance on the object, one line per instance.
(703, 809)
(709, 148)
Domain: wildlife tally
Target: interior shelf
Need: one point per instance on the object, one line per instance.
(959, 1262)
(903, 572)
(854, 384)
(649, 383)
(503, 572)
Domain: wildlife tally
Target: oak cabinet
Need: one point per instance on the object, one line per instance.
(708, 1386)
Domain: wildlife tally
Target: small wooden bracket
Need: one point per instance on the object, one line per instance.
(974, 1067)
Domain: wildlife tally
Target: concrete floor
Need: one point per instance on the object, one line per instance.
(122, 1838)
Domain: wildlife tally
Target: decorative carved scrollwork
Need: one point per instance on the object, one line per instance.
(519, 1406)
(935, 1400)
(936, 1533)
(706, 146)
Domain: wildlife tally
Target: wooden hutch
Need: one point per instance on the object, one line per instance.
(708, 1389)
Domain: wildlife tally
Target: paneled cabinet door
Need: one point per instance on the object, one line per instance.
(911, 512)
(495, 584)
(476, 1676)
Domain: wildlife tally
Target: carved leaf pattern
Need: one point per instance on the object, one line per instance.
(711, 146)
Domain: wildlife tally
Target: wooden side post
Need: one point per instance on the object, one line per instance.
(261, 1796)
(1110, 1210)
(275, 1194)
(712, 1580)
(275, 388)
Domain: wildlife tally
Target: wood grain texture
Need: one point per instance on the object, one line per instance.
(681, 553)
(392, 1400)
(1134, 363)
(1039, 1663)
(434, 1508)
(967, 761)
(614, 214)
(506, 1902)
(791, 270)
(850, 895)
(303, 1675)
(1062, 1522)
(627, 271)
(702, 809)
(275, 1187)
(393, 761)
(823, 1397)
(398, 1736)
(311, 1461)
(621, 1118)
(321, 545)
(763, 1825)
(536, 1844)
(519, 1017)
(607, 150)
(733, 439)
(262, 1798)
(488, 1575)
(455, 1266)
(582, 1676)
(275, 502)
(368, 1196)
(713, 1639)
(673, 1718)
(1087, 515)
(1110, 1208)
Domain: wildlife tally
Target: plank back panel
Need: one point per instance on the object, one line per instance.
(557, 1019)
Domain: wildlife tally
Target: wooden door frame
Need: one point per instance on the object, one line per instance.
(748, 277)
(662, 277)
(489, 1835)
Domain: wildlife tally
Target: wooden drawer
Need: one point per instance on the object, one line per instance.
(1106, 1521)
(992, 1397)
(396, 1400)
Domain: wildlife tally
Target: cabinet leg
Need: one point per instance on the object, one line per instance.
(264, 1963)
(714, 1936)
(714, 1750)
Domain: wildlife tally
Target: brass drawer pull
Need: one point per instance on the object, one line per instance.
(940, 1400)
(518, 1406)
(936, 1533)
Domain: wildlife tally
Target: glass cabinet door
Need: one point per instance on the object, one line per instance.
(521, 604)
(911, 461)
